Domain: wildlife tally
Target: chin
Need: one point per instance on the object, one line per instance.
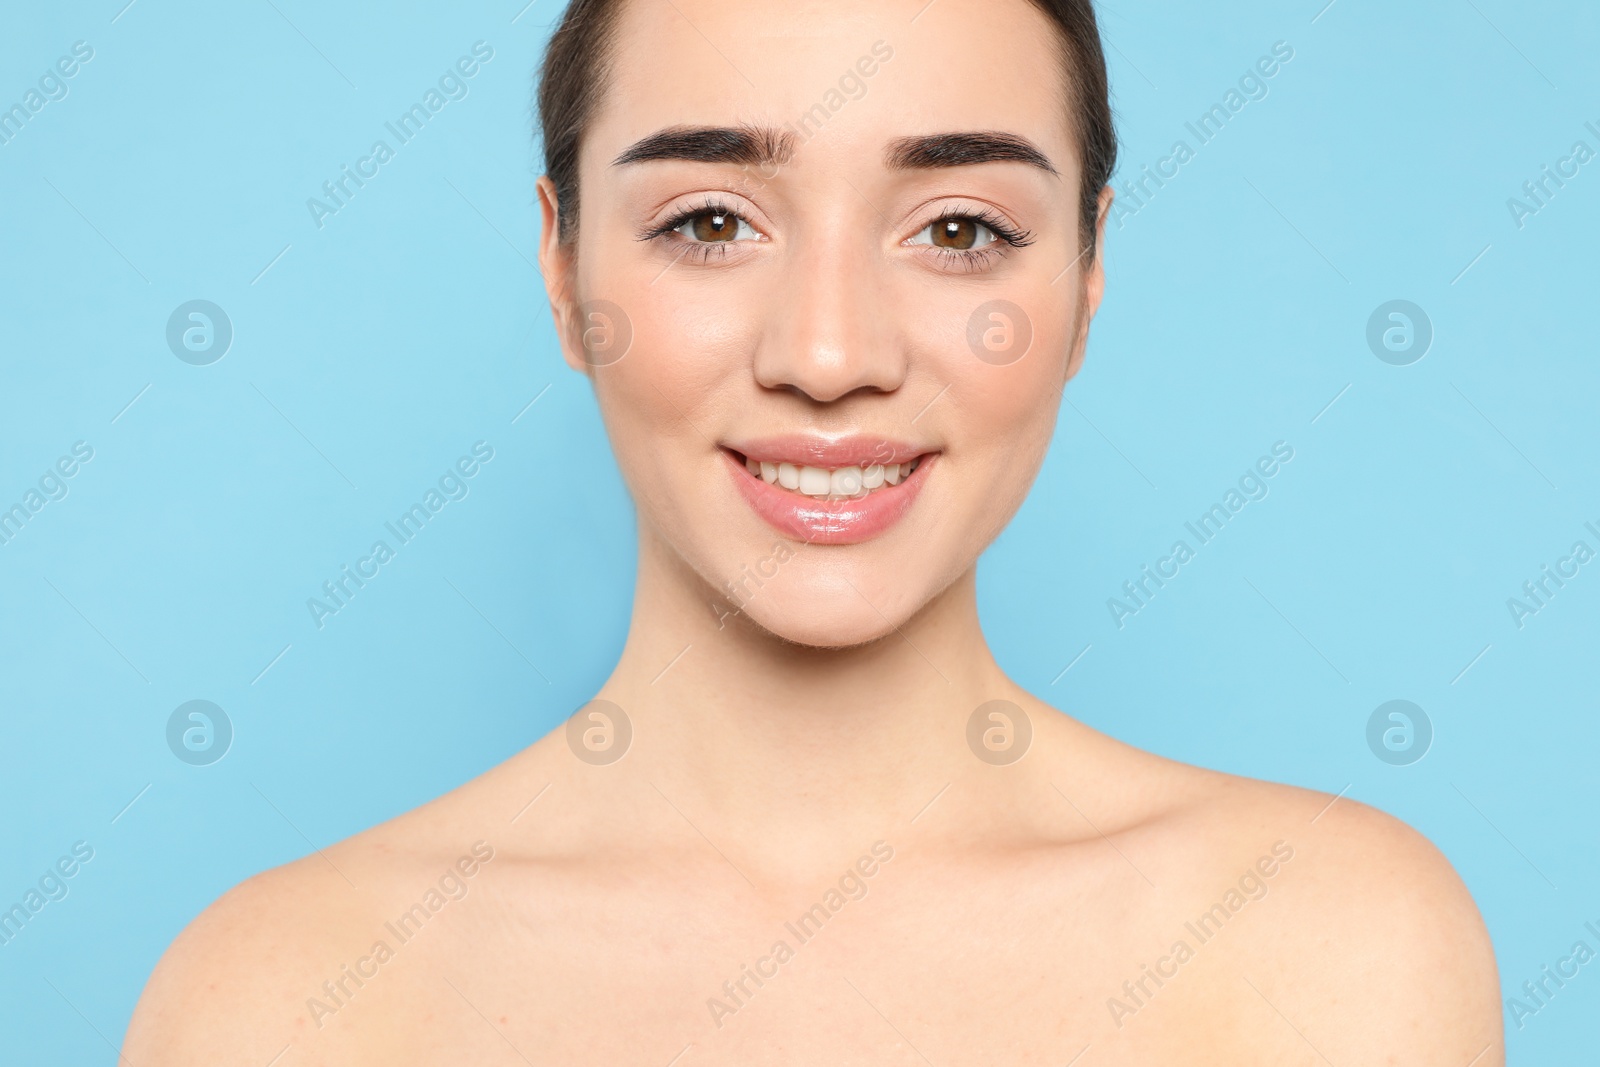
(830, 613)
(809, 629)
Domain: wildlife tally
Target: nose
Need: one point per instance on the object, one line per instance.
(831, 331)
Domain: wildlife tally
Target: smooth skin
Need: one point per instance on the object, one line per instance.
(779, 737)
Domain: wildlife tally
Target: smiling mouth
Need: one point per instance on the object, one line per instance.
(821, 504)
(828, 483)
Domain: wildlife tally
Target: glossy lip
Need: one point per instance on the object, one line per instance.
(829, 522)
(804, 450)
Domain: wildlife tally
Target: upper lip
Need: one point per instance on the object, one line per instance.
(807, 450)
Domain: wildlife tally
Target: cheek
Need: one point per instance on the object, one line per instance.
(685, 355)
(1000, 412)
(665, 402)
(1006, 421)
(1007, 417)
(688, 332)
(1013, 323)
(1003, 352)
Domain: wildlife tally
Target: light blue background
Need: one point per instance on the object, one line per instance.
(377, 349)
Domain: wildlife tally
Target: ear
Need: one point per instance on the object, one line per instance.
(558, 265)
(1094, 282)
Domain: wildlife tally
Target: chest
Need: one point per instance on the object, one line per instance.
(911, 967)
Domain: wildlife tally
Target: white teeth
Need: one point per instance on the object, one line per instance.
(821, 482)
(814, 481)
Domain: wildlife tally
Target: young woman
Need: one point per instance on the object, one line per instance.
(829, 267)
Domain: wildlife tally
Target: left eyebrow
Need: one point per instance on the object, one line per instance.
(754, 146)
(937, 150)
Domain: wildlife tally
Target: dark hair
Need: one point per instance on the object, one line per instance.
(577, 67)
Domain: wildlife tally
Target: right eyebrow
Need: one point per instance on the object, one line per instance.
(965, 149)
(755, 146)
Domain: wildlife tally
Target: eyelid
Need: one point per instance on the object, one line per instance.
(915, 240)
(972, 259)
(681, 209)
(1008, 235)
(990, 217)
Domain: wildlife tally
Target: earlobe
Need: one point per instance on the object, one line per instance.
(564, 317)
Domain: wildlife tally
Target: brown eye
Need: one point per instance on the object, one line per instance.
(960, 234)
(715, 227)
(957, 233)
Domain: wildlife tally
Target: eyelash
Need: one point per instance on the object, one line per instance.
(694, 251)
(1008, 236)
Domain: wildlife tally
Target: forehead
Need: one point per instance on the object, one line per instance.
(865, 73)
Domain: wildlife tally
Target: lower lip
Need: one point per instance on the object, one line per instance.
(829, 522)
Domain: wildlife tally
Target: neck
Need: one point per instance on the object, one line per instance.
(790, 743)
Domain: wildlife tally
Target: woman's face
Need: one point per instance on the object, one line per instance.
(853, 304)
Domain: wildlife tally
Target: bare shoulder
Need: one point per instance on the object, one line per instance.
(268, 963)
(1381, 953)
(232, 982)
(1363, 943)
(1327, 929)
